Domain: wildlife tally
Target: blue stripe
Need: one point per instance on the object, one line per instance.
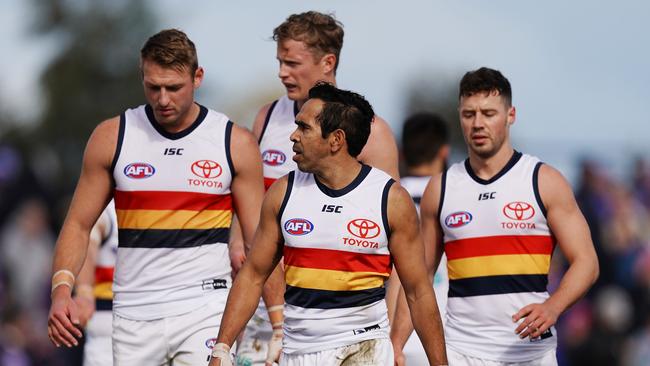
(158, 238)
(323, 299)
(494, 285)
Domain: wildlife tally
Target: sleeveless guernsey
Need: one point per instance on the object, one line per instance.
(498, 246)
(174, 209)
(276, 148)
(336, 261)
(105, 262)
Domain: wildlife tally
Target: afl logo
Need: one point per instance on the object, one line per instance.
(364, 228)
(206, 169)
(273, 157)
(458, 219)
(211, 342)
(139, 170)
(519, 211)
(298, 226)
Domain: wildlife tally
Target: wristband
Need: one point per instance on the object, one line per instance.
(63, 271)
(221, 351)
(275, 308)
(61, 283)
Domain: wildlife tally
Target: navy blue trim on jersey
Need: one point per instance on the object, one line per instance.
(363, 173)
(266, 120)
(295, 108)
(228, 145)
(513, 160)
(538, 196)
(443, 186)
(165, 238)
(120, 140)
(384, 206)
(287, 194)
(494, 285)
(203, 112)
(103, 305)
(325, 299)
(417, 200)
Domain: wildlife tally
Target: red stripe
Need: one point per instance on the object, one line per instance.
(169, 200)
(499, 245)
(336, 260)
(268, 182)
(104, 274)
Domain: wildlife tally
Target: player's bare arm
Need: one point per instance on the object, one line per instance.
(275, 286)
(236, 240)
(574, 239)
(402, 326)
(91, 195)
(84, 295)
(381, 149)
(407, 250)
(265, 254)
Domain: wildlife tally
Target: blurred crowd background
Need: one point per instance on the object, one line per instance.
(88, 72)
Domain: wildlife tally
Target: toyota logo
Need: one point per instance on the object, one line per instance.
(518, 211)
(206, 169)
(363, 228)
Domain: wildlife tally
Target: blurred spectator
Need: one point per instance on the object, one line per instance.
(26, 253)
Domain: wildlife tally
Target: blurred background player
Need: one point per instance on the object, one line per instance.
(425, 149)
(308, 50)
(93, 290)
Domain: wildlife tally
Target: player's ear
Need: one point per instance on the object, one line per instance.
(512, 114)
(328, 63)
(198, 77)
(337, 140)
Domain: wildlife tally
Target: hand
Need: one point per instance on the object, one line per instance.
(86, 307)
(63, 320)
(537, 319)
(275, 347)
(220, 355)
(237, 258)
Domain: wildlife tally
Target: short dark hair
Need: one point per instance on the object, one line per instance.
(423, 134)
(485, 80)
(171, 48)
(322, 33)
(345, 110)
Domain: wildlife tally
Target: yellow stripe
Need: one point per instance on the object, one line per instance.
(173, 219)
(104, 291)
(496, 265)
(324, 279)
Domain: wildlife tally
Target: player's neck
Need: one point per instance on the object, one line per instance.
(183, 121)
(339, 174)
(331, 80)
(486, 168)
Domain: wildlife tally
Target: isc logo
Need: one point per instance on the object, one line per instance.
(458, 219)
(298, 226)
(273, 157)
(139, 170)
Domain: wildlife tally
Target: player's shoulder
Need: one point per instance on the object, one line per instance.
(241, 136)
(549, 175)
(260, 118)
(381, 126)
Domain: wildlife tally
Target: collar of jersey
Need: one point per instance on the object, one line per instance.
(363, 173)
(513, 160)
(203, 111)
